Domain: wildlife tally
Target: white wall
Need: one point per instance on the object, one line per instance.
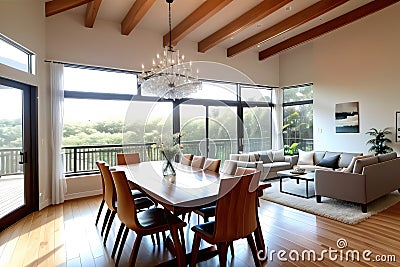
(24, 22)
(359, 62)
(69, 41)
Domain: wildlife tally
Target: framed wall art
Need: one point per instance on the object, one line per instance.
(347, 118)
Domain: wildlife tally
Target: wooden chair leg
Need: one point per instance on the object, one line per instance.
(99, 212)
(135, 250)
(253, 248)
(109, 226)
(152, 240)
(195, 250)
(222, 251)
(117, 240)
(158, 238)
(232, 249)
(164, 236)
(105, 221)
(180, 255)
(121, 246)
(182, 240)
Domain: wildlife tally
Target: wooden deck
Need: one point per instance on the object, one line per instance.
(11, 193)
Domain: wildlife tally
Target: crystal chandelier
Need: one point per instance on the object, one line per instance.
(170, 77)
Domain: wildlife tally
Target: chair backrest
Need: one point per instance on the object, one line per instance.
(109, 188)
(187, 159)
(101, 176)
(236, 208)
(128, 158)
(126, 204)
(212, 165)
(244, 171)
(198, 161)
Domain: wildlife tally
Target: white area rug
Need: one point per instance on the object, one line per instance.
(338, 210)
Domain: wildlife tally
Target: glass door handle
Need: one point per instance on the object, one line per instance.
(23, 157)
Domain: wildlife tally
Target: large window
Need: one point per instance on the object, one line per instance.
(105, 113)
(16, 56)
(298, 118)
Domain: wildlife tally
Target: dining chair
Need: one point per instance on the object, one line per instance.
(148, 222)
(209, 211)
(237, 202)
(128, 158)
(212, 165)
(110, 199)
(187, 159)
(198, 162)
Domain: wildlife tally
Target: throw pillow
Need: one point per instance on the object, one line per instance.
(278, 155)
(229, 167)
(306, 157)
(266, 156)
(330, 162)
(350, 168)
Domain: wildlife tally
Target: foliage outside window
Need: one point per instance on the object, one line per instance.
(104, 111)
(298, 118)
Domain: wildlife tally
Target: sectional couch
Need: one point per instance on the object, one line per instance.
(369, 179)
(269, 162)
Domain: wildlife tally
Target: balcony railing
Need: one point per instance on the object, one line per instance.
(82, 159)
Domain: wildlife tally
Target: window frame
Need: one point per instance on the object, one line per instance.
(31, 62)
(238, 103)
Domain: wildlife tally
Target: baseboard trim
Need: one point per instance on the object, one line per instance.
(44, 204)
(83, 194)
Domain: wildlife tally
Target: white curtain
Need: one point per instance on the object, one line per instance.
(277, 119)
(59, 185)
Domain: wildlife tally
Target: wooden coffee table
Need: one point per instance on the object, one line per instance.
(306, 177)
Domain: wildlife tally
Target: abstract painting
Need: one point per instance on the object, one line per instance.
(346, 118)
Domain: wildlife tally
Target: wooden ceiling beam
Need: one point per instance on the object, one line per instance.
(255, 14)
(135, 15)
(195, 19)
(290, 23)
(58, 6)
(92, 9)
(331, 25)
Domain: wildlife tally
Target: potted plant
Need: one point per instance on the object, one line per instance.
(379, 141)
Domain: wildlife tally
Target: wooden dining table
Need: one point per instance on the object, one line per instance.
(192, 188)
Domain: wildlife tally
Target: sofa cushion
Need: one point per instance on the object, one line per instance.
(276, 166)
(245, 164)
(349, 169)
(318, 156)
(265, 156)
(234, 156)
(386, 157)
(256, 156)
(361, 163)
(306, 157)
(278, 155)
(229, 167)
(346, 158)
(331, 154)
(244, 157)
(330, 162)
(312, 168)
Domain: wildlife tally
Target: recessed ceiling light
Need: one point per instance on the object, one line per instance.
(258, 25)
(232, 38)
(288, 8)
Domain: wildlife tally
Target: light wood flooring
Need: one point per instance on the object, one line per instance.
(65, 235)
(11, 193)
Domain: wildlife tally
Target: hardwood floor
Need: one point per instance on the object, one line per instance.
(11, 193)
(65, 235)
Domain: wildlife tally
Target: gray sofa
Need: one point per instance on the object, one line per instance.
(343, 161)
(370, 179)
(268, 162)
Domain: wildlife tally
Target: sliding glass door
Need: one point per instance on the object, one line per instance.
(18, 182)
